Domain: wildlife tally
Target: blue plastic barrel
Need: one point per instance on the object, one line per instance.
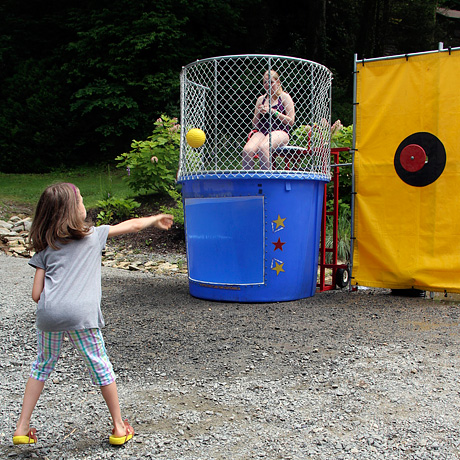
(252, 239)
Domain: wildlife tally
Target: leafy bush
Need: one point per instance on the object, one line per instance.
(178, 210)
(152, 164)
(310, 137)
(115, 209)
(343, 234)
(322, 134)
(341, 136)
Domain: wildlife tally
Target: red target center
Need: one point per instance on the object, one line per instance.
(413, 157)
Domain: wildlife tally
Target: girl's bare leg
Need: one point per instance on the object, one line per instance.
(31, 394)
(110, 394)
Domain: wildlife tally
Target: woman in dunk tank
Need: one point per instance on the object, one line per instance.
(269, 130)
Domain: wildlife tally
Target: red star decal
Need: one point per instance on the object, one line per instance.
(278, 245)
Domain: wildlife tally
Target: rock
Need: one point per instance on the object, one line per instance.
(6, 225)
(7, 232)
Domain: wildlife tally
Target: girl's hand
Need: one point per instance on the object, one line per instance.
(164, 221)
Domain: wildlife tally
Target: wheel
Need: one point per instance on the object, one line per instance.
(342, 277)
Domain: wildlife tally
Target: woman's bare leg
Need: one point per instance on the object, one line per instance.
(278, 139)
(250, 149)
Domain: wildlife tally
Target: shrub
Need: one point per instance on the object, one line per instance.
(343, 234)
(341, 136)
(178, 210)
(152, 164)
(311, 137)
(115, 209)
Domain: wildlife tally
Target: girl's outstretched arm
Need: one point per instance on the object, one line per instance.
(162, 221)
(39, 284)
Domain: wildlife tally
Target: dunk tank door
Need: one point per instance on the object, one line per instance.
(229, 229)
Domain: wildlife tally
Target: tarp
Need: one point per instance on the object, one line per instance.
(407, 219)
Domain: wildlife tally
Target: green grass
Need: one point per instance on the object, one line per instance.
(21, 191)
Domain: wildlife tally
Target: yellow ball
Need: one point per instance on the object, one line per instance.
(195, 138)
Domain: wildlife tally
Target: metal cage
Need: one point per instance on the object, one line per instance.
(218, 96)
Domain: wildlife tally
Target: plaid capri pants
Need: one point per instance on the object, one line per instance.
(90, 345)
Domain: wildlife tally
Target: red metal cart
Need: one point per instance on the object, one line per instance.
(340, 272)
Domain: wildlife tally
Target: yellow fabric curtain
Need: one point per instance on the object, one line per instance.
(407, 236)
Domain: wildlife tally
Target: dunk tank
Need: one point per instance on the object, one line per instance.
(253, 227)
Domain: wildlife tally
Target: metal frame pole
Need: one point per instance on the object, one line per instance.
(353, 191)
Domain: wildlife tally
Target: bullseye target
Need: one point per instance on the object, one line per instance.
(420, 159)
(406, 172)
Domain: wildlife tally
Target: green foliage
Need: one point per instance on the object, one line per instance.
(80, 80)
(321, 134)
(32, 119)
(311, 137)
(122, 65)
(116, 209)
(106, 183)
(341, 136)
(343, 234)
(344, 207)
(152, 164)
(454, 4)
(178, 210)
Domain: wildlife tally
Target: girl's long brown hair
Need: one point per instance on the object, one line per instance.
(57, 218)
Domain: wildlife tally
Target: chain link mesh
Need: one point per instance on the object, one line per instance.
(218, 96)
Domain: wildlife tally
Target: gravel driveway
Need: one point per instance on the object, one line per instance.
(341, 375)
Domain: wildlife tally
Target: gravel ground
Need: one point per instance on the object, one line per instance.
(341, 375)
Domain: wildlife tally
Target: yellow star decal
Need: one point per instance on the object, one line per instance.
(278, 268)
(279, 222)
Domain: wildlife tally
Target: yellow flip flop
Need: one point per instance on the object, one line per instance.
(120, 440)
(29, 438)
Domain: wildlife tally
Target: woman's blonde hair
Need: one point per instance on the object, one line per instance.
(274, 76)
(57, 218)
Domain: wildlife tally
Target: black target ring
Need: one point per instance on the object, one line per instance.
(434, 164)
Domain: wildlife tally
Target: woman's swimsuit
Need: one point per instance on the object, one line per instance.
(276, 125)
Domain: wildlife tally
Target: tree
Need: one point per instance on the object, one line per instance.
(110, 72)
(78, 82)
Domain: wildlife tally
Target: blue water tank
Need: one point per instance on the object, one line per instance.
(252, 239)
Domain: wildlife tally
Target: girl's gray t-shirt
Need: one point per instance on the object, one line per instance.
(71, 297)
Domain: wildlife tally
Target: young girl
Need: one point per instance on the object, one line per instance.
(67, 288)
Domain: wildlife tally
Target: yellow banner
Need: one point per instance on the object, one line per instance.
(407, 173)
